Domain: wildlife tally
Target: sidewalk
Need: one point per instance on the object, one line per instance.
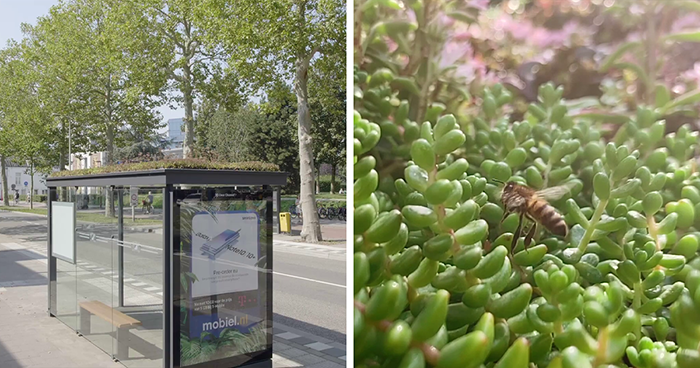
(332, 231)
(30, 338)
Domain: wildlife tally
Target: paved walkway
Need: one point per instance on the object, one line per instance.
(30, 338)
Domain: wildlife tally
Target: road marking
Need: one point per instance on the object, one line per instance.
(160, 293)
(13, 246)
(151, 288)
(307, 279)
(129, 280)
(139, 284)
(308, 246)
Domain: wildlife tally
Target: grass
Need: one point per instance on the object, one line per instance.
(38, 211)
(171, 164)
(88, 217)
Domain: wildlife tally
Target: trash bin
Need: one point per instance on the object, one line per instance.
(285, 222)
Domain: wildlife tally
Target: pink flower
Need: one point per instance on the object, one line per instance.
(690, 20)
(478, 4)
(692, 75)
(390, 44)
(445, 21)
(453, 52)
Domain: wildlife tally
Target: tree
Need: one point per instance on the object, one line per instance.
(229, 134)
(328, 102)
(194, 67)
(135, 145)
(118, 79)
(28, 131)
(10, 70)
(282, 40)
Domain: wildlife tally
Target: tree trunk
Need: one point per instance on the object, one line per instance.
(318, 180)
(31, 186)
(61, 192)
(188, 142)
(333, 178)
(5, 198)
(109, 154)
(311, 227)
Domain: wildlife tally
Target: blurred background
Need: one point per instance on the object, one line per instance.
(610, 56)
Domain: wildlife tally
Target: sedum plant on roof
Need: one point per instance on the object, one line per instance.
(171, 164)
(436, 281)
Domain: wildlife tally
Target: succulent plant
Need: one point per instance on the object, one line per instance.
(436, 282)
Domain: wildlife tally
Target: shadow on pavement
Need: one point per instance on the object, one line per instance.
(7, 360)
(23, 229)
(14, 272)
(307, 327)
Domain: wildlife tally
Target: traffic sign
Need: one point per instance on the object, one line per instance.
(134, 196)
(26, 183)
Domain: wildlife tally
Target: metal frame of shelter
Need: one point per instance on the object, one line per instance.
(169, 178)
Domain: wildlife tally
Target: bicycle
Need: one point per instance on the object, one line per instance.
(294, 212)
(342, 213)
(322, 211)
(147, 208)
(333, 211)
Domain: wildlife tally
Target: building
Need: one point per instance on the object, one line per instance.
(176, 136)
(17, 176)
(86, 161)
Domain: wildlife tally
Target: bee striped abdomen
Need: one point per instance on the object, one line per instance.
(547, 216)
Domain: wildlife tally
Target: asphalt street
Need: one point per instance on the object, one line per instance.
(309, 292)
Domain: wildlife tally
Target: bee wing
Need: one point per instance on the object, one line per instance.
(555, 193)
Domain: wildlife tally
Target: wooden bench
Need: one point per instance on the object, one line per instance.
(121, 321)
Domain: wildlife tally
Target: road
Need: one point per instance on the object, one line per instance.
(308, 287)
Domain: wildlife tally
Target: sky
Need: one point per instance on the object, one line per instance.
(15, 12)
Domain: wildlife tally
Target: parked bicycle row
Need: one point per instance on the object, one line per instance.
(325, 211)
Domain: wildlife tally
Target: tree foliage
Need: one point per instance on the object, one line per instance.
(277, 41)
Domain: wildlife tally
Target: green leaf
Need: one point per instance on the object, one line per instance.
(610, 60)
(688, 98)
(683, 37)
(635, 68)
(577, 232)
(461, 16)
(603, 116)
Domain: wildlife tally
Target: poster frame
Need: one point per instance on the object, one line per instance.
(70, 259)
(262, 358)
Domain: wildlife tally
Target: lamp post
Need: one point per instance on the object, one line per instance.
(70, 156)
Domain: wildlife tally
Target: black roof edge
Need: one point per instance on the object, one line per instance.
(172, 176)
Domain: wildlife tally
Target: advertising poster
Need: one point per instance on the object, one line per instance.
(224, 314)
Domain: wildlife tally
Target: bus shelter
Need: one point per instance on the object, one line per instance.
(166, 267)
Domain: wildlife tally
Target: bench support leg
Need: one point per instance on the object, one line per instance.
(122, 343)
(84, 322)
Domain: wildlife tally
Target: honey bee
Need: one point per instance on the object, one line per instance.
(533, 205)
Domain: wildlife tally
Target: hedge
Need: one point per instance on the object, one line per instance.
(325, 186)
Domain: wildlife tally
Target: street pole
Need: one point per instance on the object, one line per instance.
(70, 154)
(70, 158)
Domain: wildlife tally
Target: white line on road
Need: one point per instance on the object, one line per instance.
(307, 279)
